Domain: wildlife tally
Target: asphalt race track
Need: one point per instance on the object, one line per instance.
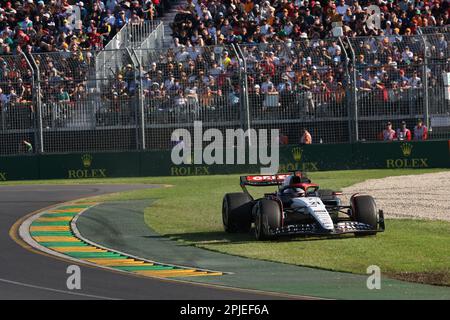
(29, 275)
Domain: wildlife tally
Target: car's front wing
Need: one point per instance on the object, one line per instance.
(315, 229)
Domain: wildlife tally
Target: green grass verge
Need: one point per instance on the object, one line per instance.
(412, 250)
(190, 211)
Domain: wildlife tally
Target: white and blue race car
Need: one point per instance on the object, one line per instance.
(298, 207)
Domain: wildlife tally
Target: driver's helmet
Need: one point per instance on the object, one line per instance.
(294, 192)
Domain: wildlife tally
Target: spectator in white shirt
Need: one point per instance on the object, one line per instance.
(216, 70)
(407, 55)
(146, 83)
(169, 83)
(342, 7)
(180, 101)
(334, 48)
(284, 84)
(415, 81)
(4, 99)
(110, 18)
(265, 27)
(442, 43)
(182, 54)
(266, 85)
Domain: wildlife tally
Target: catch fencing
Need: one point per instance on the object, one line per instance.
(299, 86)
(340, 90)
(147, 34)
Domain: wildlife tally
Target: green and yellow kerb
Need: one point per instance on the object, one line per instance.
(53, 230)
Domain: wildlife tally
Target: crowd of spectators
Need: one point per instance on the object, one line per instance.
(63, 81)
(197, 79)
(307, 77)
(192, 85)
(391, 72)
(310, 78)
(295, 64)
(290, 64)
(67, 25)
(263, 21)
(63, 36)
(16, 95)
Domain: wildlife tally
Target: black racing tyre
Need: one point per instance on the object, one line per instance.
(237, 212)
(268, 216)
(364, 210)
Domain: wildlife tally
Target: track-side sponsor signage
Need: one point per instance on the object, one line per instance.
(406, 161)
(297, 164)
(189, 171)
(87, 171)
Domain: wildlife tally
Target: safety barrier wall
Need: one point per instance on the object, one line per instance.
(320, 157)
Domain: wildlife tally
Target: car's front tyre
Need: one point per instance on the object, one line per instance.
(267, 218)
(364, 210)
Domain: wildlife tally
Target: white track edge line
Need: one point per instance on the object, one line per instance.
(17, 283)
(25, 235)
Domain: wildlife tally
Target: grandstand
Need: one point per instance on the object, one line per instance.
(112, 80)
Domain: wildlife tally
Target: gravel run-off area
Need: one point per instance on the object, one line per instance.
(424, 196)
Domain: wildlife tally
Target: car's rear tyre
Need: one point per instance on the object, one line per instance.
(364, 210)
(267, 217)
(237, 212)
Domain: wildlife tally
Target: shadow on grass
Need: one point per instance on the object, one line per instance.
(220, 237)
(216, 237)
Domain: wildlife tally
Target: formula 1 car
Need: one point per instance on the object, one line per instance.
(298, 207)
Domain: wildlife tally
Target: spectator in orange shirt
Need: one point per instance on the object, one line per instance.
(306, 137)
(248, 6)
(417, 19)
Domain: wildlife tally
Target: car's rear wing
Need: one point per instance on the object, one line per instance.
(264, 180)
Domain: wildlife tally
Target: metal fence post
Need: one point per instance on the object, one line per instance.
(425, 80)
(244, 104)
(132, 103)
(161, 34)
(349, 89)
(354, 115)
(36, 82)
(141, 103)
(140, 114)
(426, 95)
